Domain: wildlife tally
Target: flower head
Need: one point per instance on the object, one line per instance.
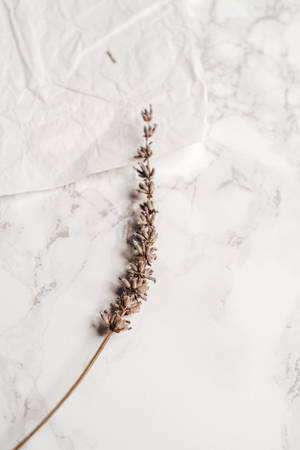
(134, 284)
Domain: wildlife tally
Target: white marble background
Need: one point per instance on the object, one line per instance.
(213, 359)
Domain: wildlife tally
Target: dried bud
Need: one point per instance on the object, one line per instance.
(147, 114)
(149, 131)
(134, 308)
(125, 283)
(142, 266)
(145, 152)
(106, 317)
(118, 324)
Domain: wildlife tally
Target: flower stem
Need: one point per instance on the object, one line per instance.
(69, 392)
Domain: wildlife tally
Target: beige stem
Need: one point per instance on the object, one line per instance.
(69, 392)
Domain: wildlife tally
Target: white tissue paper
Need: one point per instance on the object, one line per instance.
(68, 110)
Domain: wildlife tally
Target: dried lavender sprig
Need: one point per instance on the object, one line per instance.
(134, 285)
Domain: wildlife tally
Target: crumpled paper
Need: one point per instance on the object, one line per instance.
(68, 110)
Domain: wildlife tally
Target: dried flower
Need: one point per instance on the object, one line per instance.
(134, 285)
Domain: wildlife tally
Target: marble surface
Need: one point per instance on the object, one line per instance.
(213, 359)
